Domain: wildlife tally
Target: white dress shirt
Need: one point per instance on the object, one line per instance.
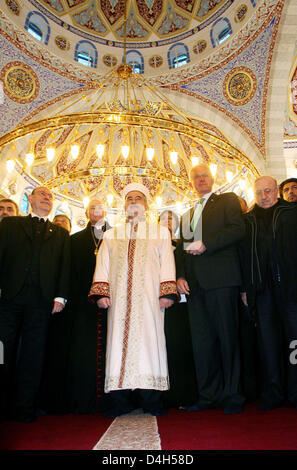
(45, 219)
(205, 197)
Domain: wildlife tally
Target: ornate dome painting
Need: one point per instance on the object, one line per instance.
(148, 20)
(209, 108)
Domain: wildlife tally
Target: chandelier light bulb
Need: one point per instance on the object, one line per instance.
(74, 151)
(242, 184)
(10, 164)
(159, 201)
(195, 161)
(86, 201)
(173, 157)
(125, 151)
(100, 150)
(50, 153)
(150, 153)
(109, 199)
(213, 168)
(229, 176)
(29, 159)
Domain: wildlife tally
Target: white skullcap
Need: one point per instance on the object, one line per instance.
(136, 187)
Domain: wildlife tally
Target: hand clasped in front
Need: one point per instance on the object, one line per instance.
(196, 248)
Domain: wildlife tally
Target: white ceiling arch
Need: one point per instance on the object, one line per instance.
(276, 164)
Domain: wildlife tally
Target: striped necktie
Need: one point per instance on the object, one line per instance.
(197, 213)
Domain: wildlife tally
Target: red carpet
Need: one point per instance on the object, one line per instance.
(70, 432)
(205, 430)
(212, 430)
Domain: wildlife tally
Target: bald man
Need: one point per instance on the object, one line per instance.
(34, 274)
(77, 344)
(269, 264)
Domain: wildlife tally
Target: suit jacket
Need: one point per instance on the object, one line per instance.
(16, 246)
(222, 228)
(281, 259)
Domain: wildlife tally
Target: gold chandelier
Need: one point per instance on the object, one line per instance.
(119, 130)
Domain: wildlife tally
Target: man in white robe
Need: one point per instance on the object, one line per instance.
(135, 279)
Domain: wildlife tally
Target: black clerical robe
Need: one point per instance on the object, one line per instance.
(85, 374)
(74, 377)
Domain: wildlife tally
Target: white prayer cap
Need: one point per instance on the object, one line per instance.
(136, 187)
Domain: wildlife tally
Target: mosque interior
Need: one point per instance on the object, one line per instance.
(95, 94)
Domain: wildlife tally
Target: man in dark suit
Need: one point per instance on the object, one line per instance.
(208, 272)
(34, 273)
(8, 208)
(269, 268)
(288, 190)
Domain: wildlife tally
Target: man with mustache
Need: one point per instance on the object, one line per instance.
(135, 279)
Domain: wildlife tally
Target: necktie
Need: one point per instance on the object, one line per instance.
(197, 213)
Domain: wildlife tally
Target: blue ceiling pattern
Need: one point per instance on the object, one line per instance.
(257, 58)
(51, 86)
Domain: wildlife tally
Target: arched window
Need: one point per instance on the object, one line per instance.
(25, 205)
(38, 26)
(135, 59)
(220, 31)
(178, 55)
(86, 53)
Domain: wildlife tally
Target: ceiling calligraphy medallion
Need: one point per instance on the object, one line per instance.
(240, 86)
(20, 82)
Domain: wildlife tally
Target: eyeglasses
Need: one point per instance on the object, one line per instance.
(205, 175)
(266, 191)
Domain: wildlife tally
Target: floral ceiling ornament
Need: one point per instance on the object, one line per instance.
(20, 82)
(240, 86)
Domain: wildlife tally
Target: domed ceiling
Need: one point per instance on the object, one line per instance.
(148, 20)
(223, 90)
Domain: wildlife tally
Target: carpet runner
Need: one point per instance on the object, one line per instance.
(131, 432)
(205, 430)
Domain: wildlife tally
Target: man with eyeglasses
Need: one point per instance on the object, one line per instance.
(269, 265)
(34, 273)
